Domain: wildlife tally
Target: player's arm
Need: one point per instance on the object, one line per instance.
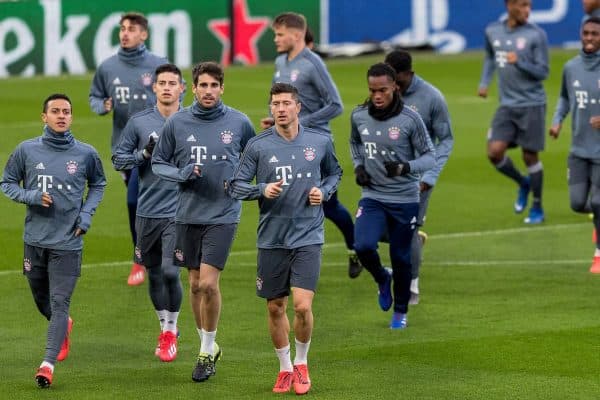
(562, 108)
(487, 72)
(357, 152)
(126, 155)
(96, 182)
(248, 133)
(240, 186)
(422, 144)
(331, 172)
(442, 132)
(536, 67)
(162, 156)
(99, 98)
(330, 95)
(14, 174)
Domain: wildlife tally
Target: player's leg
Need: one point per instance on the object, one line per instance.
(137, 273)
(339, 215)
(272, 284)
(417, 246)
(35, 270)
(369, 227)
(401, 232)
(595, 205)
(304, 277)
(172, 286)
(500, 136)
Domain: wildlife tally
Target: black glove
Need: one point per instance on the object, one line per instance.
(149, 148)
(396, 168)
(362, 178)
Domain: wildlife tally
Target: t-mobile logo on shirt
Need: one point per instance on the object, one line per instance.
(501, 58)
(581, 97)
(122, 94)
(284, 172)
(370, 149)
(44, 182)
(198, 154)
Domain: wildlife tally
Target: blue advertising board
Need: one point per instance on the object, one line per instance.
(448, 25)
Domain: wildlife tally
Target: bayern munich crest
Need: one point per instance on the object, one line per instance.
(27, 264)
(226, 137)
(521, 41)
(147, 79)
(394, 133)
(294, 75)
(259, 283)
(179, 255)
(138, 253)
(72, 167)
(310, 153)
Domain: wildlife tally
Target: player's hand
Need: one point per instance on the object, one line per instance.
(197, 170)
(46, 200)
(511, 57)
(423, 187)
(362, 177)
(555, 131)
(108, 104)
(482, 92)
(79, 232)
(149, 148)
(274, 189)
(595, 121)
(396, 168)
(315, 196)
(266, 123)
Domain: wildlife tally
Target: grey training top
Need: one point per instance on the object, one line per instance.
(580, 94)
(399, 138)
(157, 197)
(62, 167)
(127, 77)
(318, 94)
(519, 84)
(429, 102)
(215, 146)
(308, 161)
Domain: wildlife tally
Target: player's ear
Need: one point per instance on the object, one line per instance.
(44, 117)
(144, 35)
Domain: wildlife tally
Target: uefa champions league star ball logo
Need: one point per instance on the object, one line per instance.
(147, 79)
(294, 75)
(226, 137)
(259, 283)
(27, 264)
(72, 167)
(179, 255)
(394, 133)
(310, 153)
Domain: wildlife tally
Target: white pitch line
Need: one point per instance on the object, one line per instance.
(437, 236)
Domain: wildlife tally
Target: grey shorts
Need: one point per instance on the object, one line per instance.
(39, 261)
(520, 126)
(280, 269)
(155, 241)
(206, 244)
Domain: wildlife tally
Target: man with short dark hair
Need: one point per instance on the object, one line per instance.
(199, 148)
(55, 171)
(429, 102)
(296, 170)
(321, 102)
(578, 90)
(591, 8)
(155, 222)
(518, 49)
(123, 84)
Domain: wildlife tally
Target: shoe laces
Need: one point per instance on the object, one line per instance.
(284, 380)
(205, 358)
(300, 375)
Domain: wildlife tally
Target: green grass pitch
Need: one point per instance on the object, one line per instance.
(507, 311)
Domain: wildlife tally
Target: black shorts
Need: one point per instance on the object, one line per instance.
(280, 269)
(38, 261)
(203, 244)
(155, 241)
(520, 126)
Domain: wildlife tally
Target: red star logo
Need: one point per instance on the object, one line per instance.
(247, 32)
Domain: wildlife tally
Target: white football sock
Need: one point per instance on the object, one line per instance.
(162, 318)
(47, 364)
(285, 360)
(171, 323)
(301, 352)
(208, 342)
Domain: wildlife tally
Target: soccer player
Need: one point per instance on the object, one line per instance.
(123, 84)
(49, 174)
(429, 102)
(321, 102)
(155, 222)
(519, 51)
(385, 138)
(296, 170)
(579, 94)
(591, 8)
(199, 148)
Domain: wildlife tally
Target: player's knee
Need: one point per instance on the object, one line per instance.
(364, 244)
(171, 274)
(60, 303)
(276, 308)
(578, 204)
(302, 309)
(209, 288)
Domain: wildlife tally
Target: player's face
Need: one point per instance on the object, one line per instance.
(381, 90)
(58, 115)
(590, 5)
(285, 38)
(131, 35)
(285, 109)
(167, 88)
(207, 90)
(590, 38)
(403, 79)
(518, 10)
